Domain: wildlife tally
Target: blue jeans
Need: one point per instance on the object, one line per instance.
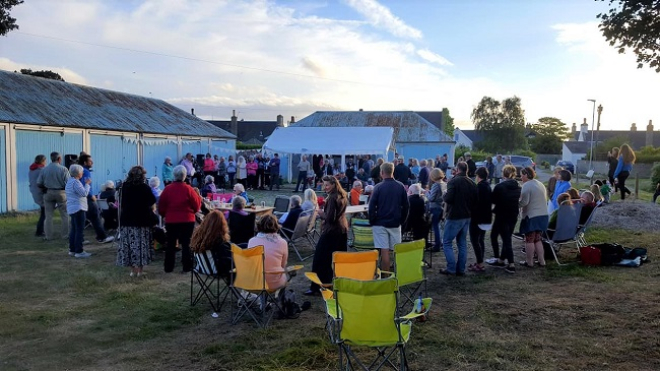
(435, 221)
(76, 231)
(456, 229)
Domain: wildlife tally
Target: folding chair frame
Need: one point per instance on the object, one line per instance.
(307, 236)
(556, 242)
(209, 283)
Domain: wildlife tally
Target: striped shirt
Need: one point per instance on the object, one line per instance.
(76, 196)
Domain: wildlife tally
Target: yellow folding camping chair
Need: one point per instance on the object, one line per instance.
(249, 286)
(365, 315)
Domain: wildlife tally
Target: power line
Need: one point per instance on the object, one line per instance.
(211, 62)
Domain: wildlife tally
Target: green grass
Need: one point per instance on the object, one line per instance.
(60, 313)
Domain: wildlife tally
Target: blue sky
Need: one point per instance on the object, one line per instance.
(264, 58)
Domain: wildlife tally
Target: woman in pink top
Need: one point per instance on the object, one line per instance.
(275, 250)
(251, 167)
(209, 166)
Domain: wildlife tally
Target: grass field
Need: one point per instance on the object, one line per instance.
(59, 313)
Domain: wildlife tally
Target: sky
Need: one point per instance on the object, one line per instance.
(265, 58)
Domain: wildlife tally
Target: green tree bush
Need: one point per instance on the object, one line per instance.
(655, 177)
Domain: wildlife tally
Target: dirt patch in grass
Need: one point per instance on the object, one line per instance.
(630, 215)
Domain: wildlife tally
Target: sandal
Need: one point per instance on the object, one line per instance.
(479, 269)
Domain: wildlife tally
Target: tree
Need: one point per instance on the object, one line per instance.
(634, 24)
(448, 122)
(550, 133)
(501, 124)
(601, 149)
(7, 23)
(46, 74)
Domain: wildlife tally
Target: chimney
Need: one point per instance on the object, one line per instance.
(584, 130)
(280, 120)
(293, 119)
(633, 127)
(361, 110)
(234, 123)
(192, 111)
(574, 128)
(649, 133)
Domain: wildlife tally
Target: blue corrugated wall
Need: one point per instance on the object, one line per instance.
(153, 157)
(113, 158)
(31, 143)
(195, 148)
(424, 150)
(3, 169)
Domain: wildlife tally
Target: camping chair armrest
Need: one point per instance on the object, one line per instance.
(292, 268)
(380, 273)
(315, 278)
(427, 302)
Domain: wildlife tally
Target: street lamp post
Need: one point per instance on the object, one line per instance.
(599, 110)
(593, 119)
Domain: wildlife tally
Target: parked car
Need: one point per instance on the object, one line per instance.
(568, 165)
(520, 162)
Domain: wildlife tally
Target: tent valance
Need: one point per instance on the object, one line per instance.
(330, 140)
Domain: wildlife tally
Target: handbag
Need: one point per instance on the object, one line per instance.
(590, 255)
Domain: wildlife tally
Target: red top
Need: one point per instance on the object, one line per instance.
(209, 164)
(178, 203)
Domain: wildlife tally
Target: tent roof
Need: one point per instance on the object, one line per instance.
(330, 140)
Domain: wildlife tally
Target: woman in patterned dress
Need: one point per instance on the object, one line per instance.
(136, 220)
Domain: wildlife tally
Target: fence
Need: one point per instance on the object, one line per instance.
(601, 167)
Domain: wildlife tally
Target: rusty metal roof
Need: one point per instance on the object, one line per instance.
(408, 125)
(38, 101)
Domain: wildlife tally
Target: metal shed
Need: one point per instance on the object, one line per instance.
(119, 130)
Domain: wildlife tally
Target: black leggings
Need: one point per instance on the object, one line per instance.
(503, 227)
(477, 236)
(181, 232)
(622, 183)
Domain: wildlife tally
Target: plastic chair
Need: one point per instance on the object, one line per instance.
(365, 315)
(205, 273)
(250, 278)
(566, 230)
(410, 272)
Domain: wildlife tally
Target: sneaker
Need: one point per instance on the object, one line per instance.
(510, 269)
(86, 242)
(106, 240)
(83, 254)
(496, 263)
(71, 253)
(491, 260)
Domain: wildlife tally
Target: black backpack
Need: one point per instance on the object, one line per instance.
(289, 308)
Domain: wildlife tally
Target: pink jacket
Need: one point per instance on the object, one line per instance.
(252, 168)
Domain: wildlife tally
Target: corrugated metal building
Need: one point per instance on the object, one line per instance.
(119, 130)
(414, 135)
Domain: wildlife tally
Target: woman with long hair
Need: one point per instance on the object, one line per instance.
(311, 201)
(612, 162)
(334, 231)
(213, 235)
(136, 220)
(623, 168)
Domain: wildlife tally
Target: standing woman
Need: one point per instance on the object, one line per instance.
(241, 171)
(231, 170)
(482, 216)
(415, 169)
(506, 196)
(136, 220)
(178, 204)
(37, 193)
(167, 171)
(76, 207)
(334, 231)
(534, 216)
(623, 168)
(612, 161)
(209, 166)
(252, 167)
(303, 168)
(436, 204)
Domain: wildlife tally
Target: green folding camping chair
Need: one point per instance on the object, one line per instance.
(410, 272)
(365, 315)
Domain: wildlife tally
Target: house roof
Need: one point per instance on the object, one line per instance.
(33, 100)
(408, 126)
(637, 139)
(249, 131)
(434, 117)
(474, 135)
(577, 147)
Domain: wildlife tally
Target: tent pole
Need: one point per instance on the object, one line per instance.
(289, 172)
(343, 163)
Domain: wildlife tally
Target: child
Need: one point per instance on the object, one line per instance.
(605, 189)
(595, 189)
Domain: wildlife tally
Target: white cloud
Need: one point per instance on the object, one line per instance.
(432, 57)
(381, 17)
(67, 74)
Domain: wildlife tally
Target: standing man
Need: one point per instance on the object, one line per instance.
(499, 165)
(53, 179)
(388, 211)
(189, 163)
(274, 166)
(368, 164)
(472, 167)
(460, 199)
(444, 165)
(261, 178)
(401, 172)
(92, 213)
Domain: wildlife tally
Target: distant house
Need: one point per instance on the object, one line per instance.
(249, 132)
(119, 130)
(462, 139)
(637, 139)
(414, 135)
(476, 136)
(574, 151)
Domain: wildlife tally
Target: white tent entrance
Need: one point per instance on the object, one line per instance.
(330, 140)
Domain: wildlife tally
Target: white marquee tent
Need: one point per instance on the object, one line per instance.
(331, 140)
